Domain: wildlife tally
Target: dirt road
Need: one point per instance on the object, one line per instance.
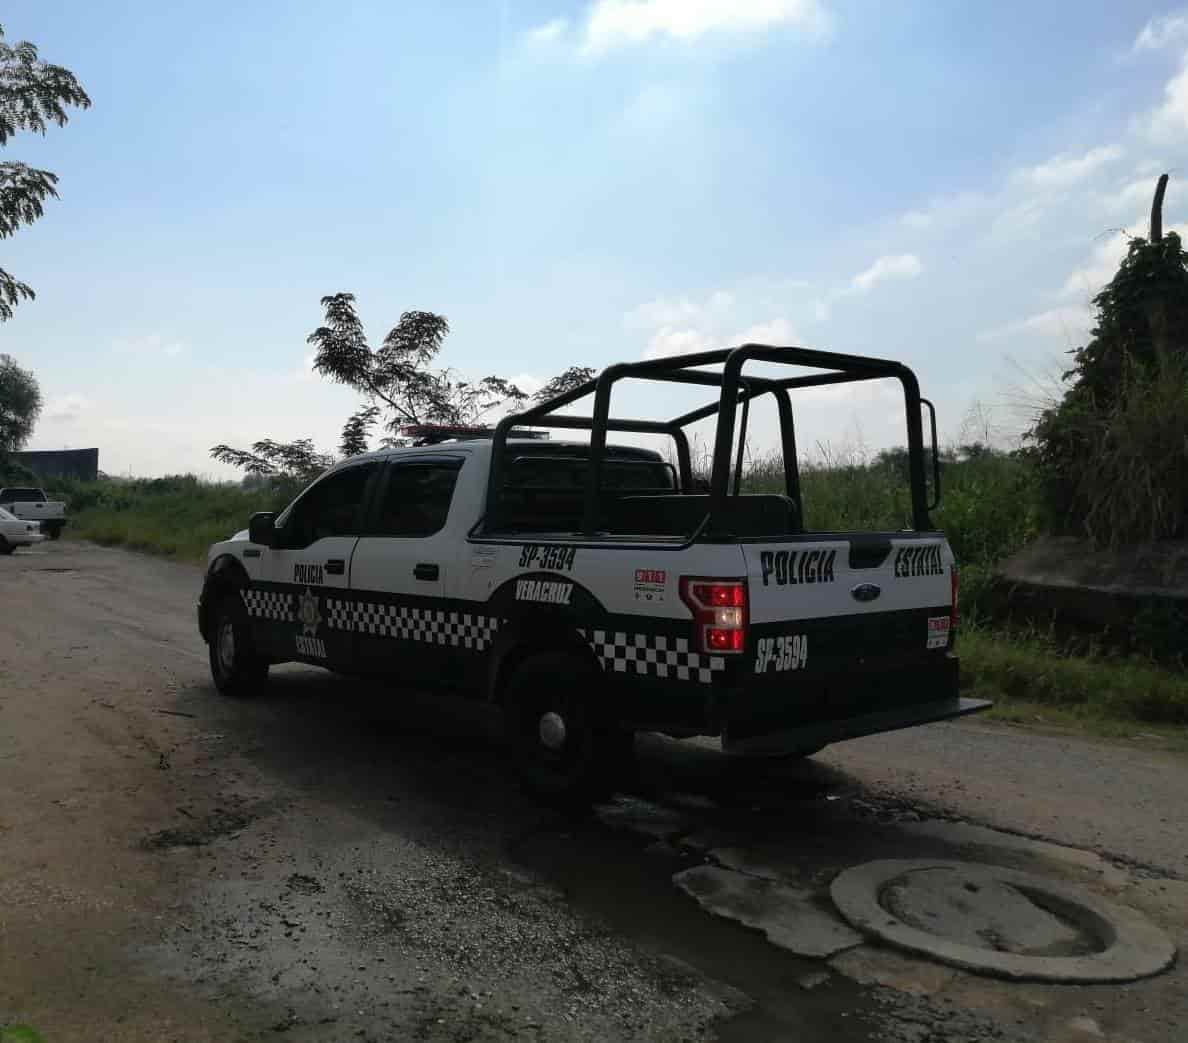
(337, 860)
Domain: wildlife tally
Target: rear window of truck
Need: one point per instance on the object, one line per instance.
(547, 493)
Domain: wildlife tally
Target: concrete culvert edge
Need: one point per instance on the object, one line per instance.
(1122, 944)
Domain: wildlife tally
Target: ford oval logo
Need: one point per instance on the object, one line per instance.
(866, 591)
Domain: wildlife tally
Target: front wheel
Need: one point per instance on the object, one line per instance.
(235, 665)
(566, 750)
(5, 546)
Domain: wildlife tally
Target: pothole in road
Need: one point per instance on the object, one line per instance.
(1000, 922)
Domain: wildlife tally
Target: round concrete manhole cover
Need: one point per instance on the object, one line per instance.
(1000, 921)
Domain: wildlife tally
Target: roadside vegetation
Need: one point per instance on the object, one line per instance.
(178, 517)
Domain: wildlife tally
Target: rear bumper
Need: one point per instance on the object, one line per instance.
(821, 733)
(25, 539)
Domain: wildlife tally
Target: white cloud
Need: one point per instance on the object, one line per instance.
(676, 311)
(887, 267)
(891, 266)
(1069, 324)
(1131, 196)
(1162, 31)
(150, 344)
(548, 33)
(618, 23)
(945, 212)
(1100, 269)
(669, 341)
(778, 332)
(1171, 118)
(67, 408)
(1063, 170)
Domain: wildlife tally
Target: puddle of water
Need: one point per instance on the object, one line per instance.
(633, 892)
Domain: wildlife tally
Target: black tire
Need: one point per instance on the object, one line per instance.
(565, 750)
(55, 532)
(235, 666)
(5, 546)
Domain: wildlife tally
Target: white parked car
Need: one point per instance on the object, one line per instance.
(15, 532)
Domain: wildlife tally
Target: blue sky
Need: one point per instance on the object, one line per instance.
(577, 183)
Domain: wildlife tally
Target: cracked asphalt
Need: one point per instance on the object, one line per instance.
(338, 860)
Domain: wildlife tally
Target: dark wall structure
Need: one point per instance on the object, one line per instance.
(61, 463)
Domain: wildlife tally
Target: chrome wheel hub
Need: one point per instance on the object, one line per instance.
(552, 730)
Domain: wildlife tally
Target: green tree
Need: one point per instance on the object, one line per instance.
(33, 94)
(573, 377)
(397, 379)
(398, 376)
(356, 431)
(1113, 453)
(298, 461)
(20, 404)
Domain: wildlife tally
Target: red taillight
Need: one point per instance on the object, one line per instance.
(954, 577)
(719, 608)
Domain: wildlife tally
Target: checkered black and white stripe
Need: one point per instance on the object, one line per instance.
(269, 604)
(435, 626)
(652, 654)
(340, 614)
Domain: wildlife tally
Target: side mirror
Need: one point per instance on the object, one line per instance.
(262, 528)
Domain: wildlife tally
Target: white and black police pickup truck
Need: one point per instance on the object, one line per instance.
(592, 590)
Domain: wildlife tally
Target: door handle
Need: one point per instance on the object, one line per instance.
(336, 566)
(426, 571)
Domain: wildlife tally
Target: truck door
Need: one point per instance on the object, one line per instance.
(406, 626)
(300, 611)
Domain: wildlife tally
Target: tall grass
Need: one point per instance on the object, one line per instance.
(179, 516)
(989, 507)
(1019, 669)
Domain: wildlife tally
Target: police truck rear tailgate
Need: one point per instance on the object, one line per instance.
(845, 627)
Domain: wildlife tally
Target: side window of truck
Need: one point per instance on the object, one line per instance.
(416, 501)
(332, 507)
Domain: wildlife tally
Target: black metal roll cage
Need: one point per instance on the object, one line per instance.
(735, 390)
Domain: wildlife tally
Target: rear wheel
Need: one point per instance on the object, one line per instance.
(5, 546)
(55, 532)
(565, 749)
(235, 665)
